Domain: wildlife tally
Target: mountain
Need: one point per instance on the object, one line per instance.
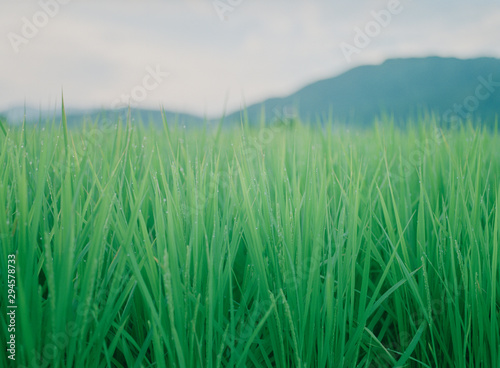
(453, 88)
(137, 115)
(75, 117)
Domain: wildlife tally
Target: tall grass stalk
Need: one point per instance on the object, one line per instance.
(303, 246)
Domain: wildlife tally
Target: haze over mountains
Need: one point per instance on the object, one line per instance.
(450, 87)
(454, 89)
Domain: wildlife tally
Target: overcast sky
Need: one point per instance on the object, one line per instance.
(200, 55)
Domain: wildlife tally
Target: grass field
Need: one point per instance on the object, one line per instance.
(278, 246)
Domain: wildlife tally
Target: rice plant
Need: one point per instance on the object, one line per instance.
(288, 245)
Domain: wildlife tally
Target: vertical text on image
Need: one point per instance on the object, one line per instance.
(11, 306)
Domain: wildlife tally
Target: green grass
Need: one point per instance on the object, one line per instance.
(251, 247)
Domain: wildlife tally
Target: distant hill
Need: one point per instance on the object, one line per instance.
(137, 115)
(75, 117)
(453, 88)
(399, 87)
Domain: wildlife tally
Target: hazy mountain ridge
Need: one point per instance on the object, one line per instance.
(76, 117)
(452, 88)
(398, 87)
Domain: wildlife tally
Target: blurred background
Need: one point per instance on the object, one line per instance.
(209, 57)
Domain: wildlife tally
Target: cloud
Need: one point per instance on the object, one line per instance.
(99, 50)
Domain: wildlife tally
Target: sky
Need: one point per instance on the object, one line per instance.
(209, 56)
